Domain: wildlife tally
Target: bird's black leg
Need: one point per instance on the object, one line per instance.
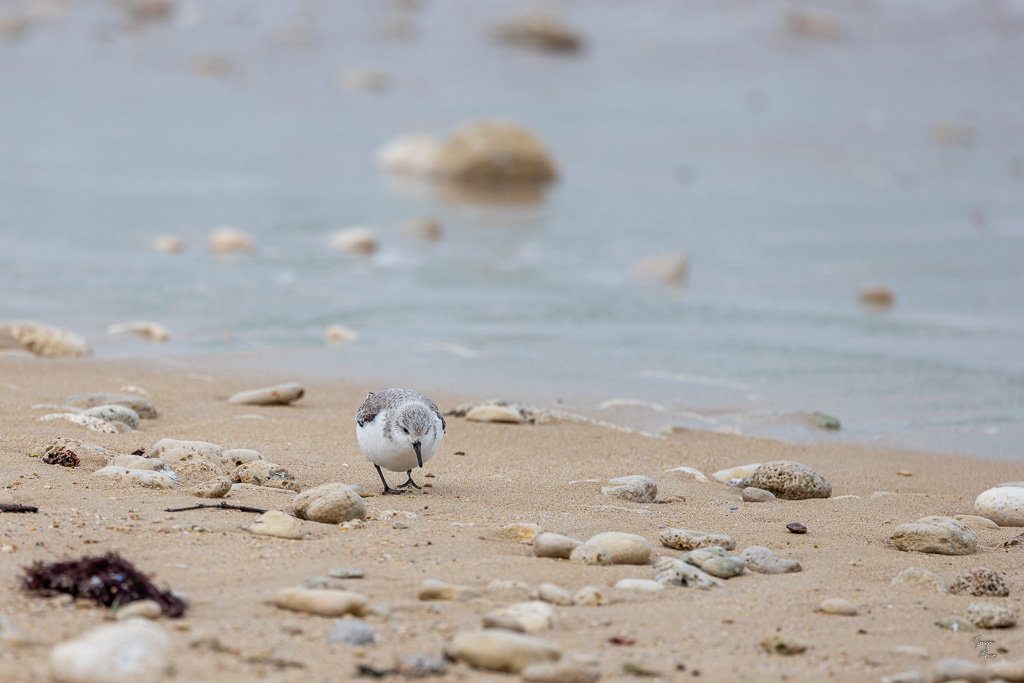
(409, 483)
(387, 489)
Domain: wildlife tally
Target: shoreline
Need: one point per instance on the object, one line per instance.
(452, 531)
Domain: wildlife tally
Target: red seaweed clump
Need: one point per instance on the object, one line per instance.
(105, 579)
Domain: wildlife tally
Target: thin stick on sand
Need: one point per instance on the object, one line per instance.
(222, 506)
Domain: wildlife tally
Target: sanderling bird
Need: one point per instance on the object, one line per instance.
(398, 429)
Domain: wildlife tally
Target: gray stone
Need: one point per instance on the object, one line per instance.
(979, 581)
(752, 494)
(953, 669)
(500, 650)
(688, 539)
(317, 582)
(329, 504)
(146, 478)
(421, 666)
(678, 573)
(134, 651)
(215, 488)
(590, 554)
(941, 535)
(115, 413)
(838, 606)
(634, 488)
(263, 473)
(281, 394)
(623, 548)
(554, 545)
(141, 406)
(716, 561)
(789, 480)
(763, 561)
(138, 462)
(556, 595)
(350, 631)
(977, 523)
(914, 576)
(343, 573)
(176, 451)
(987, 615)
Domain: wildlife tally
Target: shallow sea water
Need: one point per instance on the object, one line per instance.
(792, 170)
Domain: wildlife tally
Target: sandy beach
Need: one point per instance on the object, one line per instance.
(483, 477)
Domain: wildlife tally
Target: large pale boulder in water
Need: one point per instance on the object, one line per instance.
(43, 340)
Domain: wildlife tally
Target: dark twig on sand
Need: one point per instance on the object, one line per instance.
(222, 506)
(14, 507)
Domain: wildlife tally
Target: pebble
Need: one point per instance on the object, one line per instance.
(144, 609)
(279, 395)
(789, 480)
(590, 554)
(752, 494)
(277, 523)
(796, 528)
(688, 539)
(140, 405)
(336, 334)
(976, 522)
(525, 532)
(641, 585)
(623, 548)
(169, 244)
(955, 624)
(343, 573)
(979, 581)
(764, 561)
(678, 573)
(229, 240)
(115, 413)
(432, 589)
(531, 617)
(562, 672)
(146, 478)
(838, 606)
(324, 583)
(691, 472)
(1010, 670)
(329, 504)
(413, 155)
(175, 451)
(1004, 505)
(941, 535)
(44, 340)
(734, 473)
(135, 651)
(914, 576)
(350, 631)
(139, 462)
(233, 457)
(94, 423)
(358, 239)
(263, 473)
(538, 30)
(326, 603)
(666, 269)
(556, 595)
(783, 644)
(634, 488)
(554, 545)
(588, 596)
(987, 615)
(215, 488)
(953, 669)
(495, 413)
(500, 650)
(144, 328)
(494, 152)
(716, 561)
(876, 296)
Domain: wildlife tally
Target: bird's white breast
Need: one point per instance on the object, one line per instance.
(396, 454)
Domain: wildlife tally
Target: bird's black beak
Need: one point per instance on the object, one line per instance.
(419, 458)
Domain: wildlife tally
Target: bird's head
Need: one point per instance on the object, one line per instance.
(412, 425)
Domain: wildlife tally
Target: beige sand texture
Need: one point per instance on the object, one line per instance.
(483, 476)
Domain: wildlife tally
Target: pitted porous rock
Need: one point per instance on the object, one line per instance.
(263, 473)
(941, 535)
(979, 581)
(789, 480)
(688, 539)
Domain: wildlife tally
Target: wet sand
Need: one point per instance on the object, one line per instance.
(483, 477)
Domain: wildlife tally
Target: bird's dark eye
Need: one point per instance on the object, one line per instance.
(405, 430)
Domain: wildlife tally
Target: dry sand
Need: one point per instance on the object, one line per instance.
(483, 476)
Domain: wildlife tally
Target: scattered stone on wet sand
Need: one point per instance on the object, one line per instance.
(715, 560)
(140, 405)
(230, 240)
(556, 595)
(796, 528)
(263, 473)
(921, 578)
(328, 583)
(43, 340)
(955, 624)
(623, 548)
(351, 631)
(789, 480)
(539, 31)
(987, 615)
(494, 152)
(665, 269)
(345, 573)
(413, 155)
(525, 617)
(752, 494)
(783, 644)
(432, 589)
(147, 478)
(591, 555)
(357, 239)
(501, 650)
(979, 581)
(562, 672)
(640, 585)
(524, 532)
(634, 488)
(838, 606)
(1010, 670)
(589, 596)
(690, 472)
(277, 523)
(675, 572)
(115, 413)
(548, 544)
(278, 395)
(329, 504)
(735, 473)
(688, 539)
(764, 561)
(141, 609)
(941, 535)
(89, 455)
(423, 228)
(147, 329)
(134, 651)
(94, 423)
(326, 603)
(214, 488)
(1004, 505)
(977, 523)
(493, 413)
(953, 669)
